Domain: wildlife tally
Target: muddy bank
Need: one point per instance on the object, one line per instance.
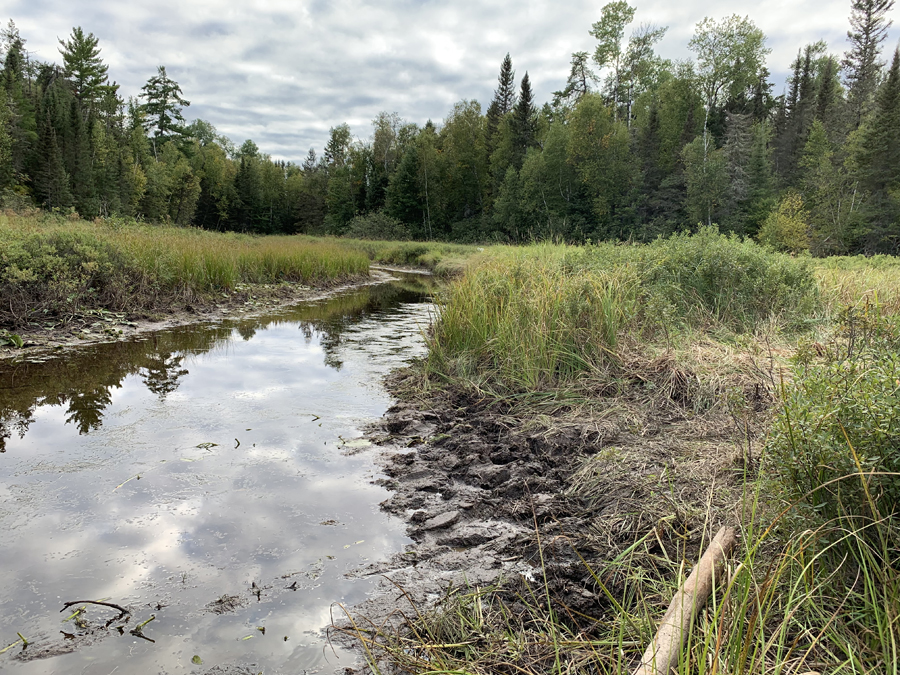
(495, 496)
(99, 326)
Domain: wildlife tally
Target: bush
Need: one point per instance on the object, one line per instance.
(709, 277)
(843, 408)
(376, 225)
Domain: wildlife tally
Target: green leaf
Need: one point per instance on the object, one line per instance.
(197, 661)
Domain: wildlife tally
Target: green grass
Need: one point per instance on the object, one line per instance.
(52, 266)
(546, 315)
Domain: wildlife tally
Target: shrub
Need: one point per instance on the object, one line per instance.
(377, 225)
(842, 413)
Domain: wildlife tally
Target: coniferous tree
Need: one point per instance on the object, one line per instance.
(22, 121)
(162, 110)
(84, 67)
(524, 122)
(880, 163)
(581, 81)
(868, 29)
(502, 103)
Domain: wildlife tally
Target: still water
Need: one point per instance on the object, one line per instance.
(206, 476)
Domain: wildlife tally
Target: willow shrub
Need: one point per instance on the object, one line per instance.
(840, 415)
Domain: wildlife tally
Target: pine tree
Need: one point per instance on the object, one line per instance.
(84, 67)
(162, 110)
(868, 29)
(580, 82)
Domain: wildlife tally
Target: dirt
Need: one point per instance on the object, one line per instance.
(97, 326)
(494, 496)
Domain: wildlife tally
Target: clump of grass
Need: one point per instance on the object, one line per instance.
(847, 281)
(821, 599)
(60, 267)
(520, 316)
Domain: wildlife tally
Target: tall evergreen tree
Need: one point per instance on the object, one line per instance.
(581, 81)
(880, 162)
(868, 29)
(162, 110)
(524, 122)
(502, 103)
(84, 67)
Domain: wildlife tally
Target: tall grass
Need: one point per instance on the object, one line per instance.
(521, 316)
(58, 267)
(545, 315)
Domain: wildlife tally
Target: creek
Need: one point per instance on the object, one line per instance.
(212, 476)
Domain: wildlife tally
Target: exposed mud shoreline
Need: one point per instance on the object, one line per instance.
(494, 497)
(101, 326)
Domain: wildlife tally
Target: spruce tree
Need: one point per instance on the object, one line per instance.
(524, 122)
(502, 103)
(868, 29)
(880, 157)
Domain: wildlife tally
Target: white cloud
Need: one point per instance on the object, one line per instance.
(283, 72)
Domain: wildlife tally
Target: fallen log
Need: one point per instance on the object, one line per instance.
(662, 654)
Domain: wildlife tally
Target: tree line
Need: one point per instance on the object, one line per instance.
(632, 146)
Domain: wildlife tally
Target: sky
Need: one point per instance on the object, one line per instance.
(283, 72)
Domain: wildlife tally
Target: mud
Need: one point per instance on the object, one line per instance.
(55, 336)
(491, 496)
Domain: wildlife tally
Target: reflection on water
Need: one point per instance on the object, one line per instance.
(193, 463)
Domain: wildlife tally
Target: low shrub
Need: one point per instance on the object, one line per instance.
(841, 416)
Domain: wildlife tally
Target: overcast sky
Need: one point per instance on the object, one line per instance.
(282, 72)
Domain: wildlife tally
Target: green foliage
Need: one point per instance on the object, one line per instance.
(81, 58)
(841, 416)
(544, 315)
(59, 268)
(787, 228)
(376, 225)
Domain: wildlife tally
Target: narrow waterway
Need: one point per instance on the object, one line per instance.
(210, 476)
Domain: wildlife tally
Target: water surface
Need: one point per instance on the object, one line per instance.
(211, 460)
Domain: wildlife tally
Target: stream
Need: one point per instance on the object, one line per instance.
(211, 476)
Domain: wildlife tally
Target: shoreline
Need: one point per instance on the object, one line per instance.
(102, 326)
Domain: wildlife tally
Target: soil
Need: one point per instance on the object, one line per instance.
(97, 326)
(495, 496)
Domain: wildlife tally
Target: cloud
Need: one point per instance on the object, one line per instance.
(284, 72)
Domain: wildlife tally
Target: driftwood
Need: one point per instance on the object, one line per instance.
(662, 654)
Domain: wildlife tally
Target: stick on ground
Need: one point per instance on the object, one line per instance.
(662, 654)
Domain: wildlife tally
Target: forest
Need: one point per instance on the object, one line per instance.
(631, 147)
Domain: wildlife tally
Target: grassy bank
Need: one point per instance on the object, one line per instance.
(50, 267)
(738, 387)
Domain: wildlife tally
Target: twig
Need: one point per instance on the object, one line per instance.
(121, 609)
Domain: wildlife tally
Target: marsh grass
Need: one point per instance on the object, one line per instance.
(57, 267)
(851, 281)
(547, 315)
